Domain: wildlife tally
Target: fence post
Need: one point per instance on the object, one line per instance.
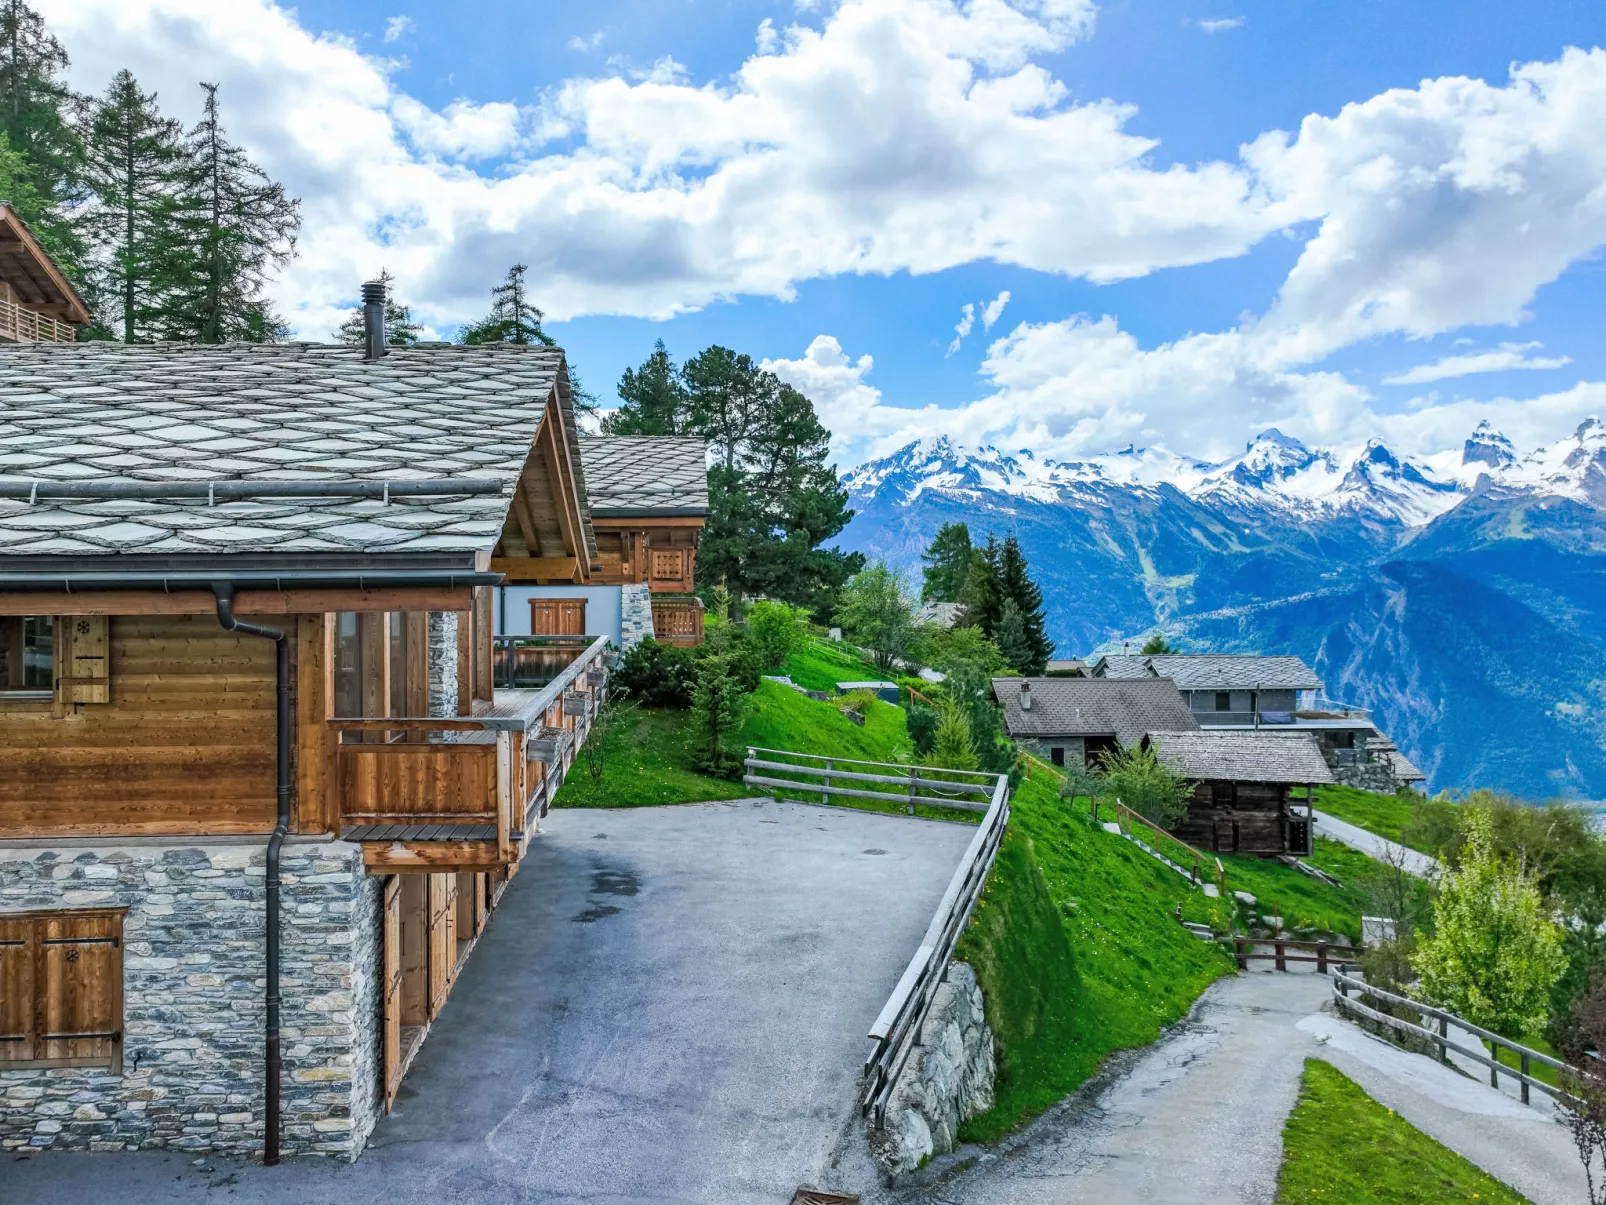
(1525, 1081)
(1343, 980)
(825, 791)
(1238, 953)
(1196, 869)
(914, 785)
(1494, 1075)
(1321, 958)
(1282, 961)
(1444, 1040)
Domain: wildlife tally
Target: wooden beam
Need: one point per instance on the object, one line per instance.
(525, 521)
(536, 569)
(465, 662)
(637, 522)
(389, 857)
(247, 602)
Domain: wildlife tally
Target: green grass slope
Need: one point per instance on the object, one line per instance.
(820, 665)
(1385, 815)
(1341, 1147)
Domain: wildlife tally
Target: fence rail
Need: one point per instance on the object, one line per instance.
(818, 774)
(1325, 952)
(1343, 985)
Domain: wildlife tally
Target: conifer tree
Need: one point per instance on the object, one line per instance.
(513, 317)
(134, 165)
(400, 329)
(981, 595)
(653, 398)
(1010, 637)
(234, 226)
(947, 561)
(1015, 583)
(39, 115)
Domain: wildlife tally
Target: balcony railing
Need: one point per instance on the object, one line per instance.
(22, 325)
(677, 621)
(478, 783)
(1325, 713)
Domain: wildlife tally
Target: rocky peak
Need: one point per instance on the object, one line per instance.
(1487, 446)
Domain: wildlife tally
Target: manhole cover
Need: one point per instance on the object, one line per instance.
(814, 1196)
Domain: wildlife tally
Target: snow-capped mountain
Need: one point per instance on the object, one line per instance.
(1459, 596)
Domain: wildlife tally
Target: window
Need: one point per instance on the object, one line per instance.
(1057, 755)
(61, 989)
(1224, 794)
(1223, 700)
(27, 654)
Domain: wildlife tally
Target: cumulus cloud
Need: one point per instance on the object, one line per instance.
(993, 310)
(463, 130)
(967, 320)
(1502, 359)
(395, 27)
(1217, 24)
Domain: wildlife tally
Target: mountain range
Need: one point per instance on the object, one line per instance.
(1462, 597)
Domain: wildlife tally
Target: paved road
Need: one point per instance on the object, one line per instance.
(668, 1007)
(1381, 848)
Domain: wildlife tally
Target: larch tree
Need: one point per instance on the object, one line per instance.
(234, 226)
(514, 318)
(400, 329)
(134, 165)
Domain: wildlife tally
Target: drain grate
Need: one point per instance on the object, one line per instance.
(815, 1196)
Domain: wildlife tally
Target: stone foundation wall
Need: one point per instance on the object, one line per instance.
(948, 1078)
(193, 1050)
(442, 663)
(635, 615)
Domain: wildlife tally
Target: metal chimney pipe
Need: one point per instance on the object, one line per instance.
(373, 319)
(1025, 696)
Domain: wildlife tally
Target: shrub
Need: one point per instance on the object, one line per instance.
(1149, 788)
(922, 723)
(875, 613)
(954, 747)
(718, 707)
(741, 652)
(657, 675)
(778, 630)
(856, 700)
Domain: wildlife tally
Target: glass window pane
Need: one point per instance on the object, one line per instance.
(398, 663)
(38, 652)
(348, 667)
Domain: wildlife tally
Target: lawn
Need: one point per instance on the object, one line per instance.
(1078, 952)
(820, 665)
(1385, 815)
(1341, 1147)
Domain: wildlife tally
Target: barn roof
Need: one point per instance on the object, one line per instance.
(633, 476)
(185, 414)
(1213, 671)
(1234, 756)
(1119, 707)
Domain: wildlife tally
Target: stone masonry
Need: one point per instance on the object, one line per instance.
(443, 663)
(635, 615)
(193, 998)
(948, 1079)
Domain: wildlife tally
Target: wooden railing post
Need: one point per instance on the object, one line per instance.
(1444, 1040)
(1282, 959)
(1494, 1075)
(914, 787)
(825, 791)
(1238, 954)
(1525, 1072)
(1321, 958)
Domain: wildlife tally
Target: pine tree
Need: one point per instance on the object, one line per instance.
(234, 226)
(653, 398)
(134, 165)
(1015, 583)
(513, 317)
(400, 329)
(947, 560)
(40, 115)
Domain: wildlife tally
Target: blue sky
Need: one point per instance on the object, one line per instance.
(844, 177)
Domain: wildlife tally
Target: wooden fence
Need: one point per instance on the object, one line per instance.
(1243, 949)
(964, 790)
(1343, 984)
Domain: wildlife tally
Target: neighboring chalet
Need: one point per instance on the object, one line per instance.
(1246, 692)
(38, 304)
(648, 503)
(1252, 790)
(257, 727)
(1075, 721)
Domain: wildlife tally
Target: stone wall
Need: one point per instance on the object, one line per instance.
(947, 1079)
(442, 663)
(193, 998)
(635, 615)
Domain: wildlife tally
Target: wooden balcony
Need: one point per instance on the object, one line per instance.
(18, 324)
(465, 793)
(677, 621)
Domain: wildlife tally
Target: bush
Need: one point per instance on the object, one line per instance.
(778, 630)
(657, 675)
(1149, 788)
(922, 729)
(955, 747)
(741, 652)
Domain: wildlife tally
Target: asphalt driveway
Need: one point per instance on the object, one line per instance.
(668, 1006)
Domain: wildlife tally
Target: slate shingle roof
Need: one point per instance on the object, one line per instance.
(1228, 756)
(185, 413)
(1125, 708)
(1214, 671)
(635, 475)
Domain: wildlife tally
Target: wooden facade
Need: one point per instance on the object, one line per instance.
(1248, 817)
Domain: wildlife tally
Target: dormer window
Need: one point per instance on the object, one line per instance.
(27, 654)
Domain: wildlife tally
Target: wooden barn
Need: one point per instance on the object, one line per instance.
(257, 725)
(1252, 790)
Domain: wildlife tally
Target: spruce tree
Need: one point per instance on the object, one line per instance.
(947, 562)
(400, 329)
(653, 398)
(981, 595)
(40, 115)
(1015, 583)
(1010, 637)
(234, 225)
(134, 165)
(513, 317)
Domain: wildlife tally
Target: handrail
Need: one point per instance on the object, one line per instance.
(989, 778)
(1342, 985)
(1124, 812)
(897, 1029)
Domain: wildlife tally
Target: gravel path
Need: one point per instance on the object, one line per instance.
(1381, 848)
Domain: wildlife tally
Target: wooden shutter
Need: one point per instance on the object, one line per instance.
(557, 616)
(83, 659)
(391, 985)
(17, 958)
(668, 564)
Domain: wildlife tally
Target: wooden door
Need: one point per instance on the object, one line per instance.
(442, 939)
(78, 989)
(414, 949)
(391, 986)
(557, 617)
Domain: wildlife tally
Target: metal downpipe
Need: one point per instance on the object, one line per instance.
(224, 593)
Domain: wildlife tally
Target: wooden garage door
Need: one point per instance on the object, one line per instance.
(557, 617)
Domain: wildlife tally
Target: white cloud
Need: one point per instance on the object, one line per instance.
(967, 320)
(1217, 24)
(395, 27)
(1507, 356)
(589, 42)
(463, 130)
(993, 310)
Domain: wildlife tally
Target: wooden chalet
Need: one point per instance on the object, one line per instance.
(37, 301)
(253, 713)
(1076, 721)
(1252, 790)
